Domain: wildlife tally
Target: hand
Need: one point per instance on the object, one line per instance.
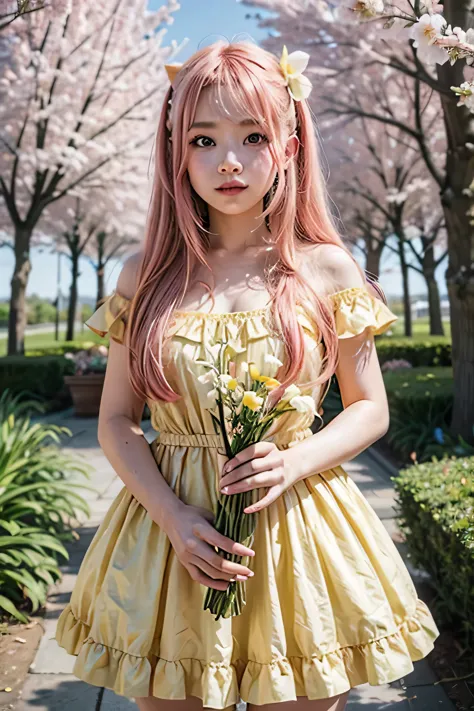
(194, 538)
(261, 464)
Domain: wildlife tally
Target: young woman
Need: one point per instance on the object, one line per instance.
(239, 215)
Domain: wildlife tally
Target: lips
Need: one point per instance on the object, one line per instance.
(232, 184)
(232, 189)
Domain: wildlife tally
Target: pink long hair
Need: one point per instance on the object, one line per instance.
(176, 236)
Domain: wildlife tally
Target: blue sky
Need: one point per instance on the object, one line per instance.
(200, 23)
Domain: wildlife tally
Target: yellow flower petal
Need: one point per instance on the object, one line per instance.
(252, 400)
(254, 372)
(272, 383)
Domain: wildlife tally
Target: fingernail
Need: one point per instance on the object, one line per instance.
(251, 573)
(225, 489)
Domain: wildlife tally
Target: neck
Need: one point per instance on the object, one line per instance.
(237, 234)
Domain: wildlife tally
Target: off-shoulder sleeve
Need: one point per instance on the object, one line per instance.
(355, 309)
(111, 317)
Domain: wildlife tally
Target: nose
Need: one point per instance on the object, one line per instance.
(230, 164)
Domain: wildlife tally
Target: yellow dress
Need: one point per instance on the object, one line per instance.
(331, 604)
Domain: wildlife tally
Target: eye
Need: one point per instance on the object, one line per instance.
(201, 138)
(256, 136)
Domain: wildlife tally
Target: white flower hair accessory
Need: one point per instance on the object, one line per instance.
(293, 66)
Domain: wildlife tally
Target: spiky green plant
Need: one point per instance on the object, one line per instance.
(39, 504)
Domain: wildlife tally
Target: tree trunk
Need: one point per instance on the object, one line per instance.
(19, 282)
(71, 314)
(460, 274)
(101, 261)
(434, 301)
(405, 285)
(100, 285)
(374, 255)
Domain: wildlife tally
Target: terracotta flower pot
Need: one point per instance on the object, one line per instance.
(86, 391)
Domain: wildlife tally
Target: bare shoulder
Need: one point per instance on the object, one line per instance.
(332, 267)
(128, 277)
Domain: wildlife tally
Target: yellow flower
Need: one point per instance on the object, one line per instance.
(252, 401)
(255, 373)
(232, 384)
(293, 66)
(270, 383)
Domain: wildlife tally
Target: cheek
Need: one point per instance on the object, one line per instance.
(198, 163)
(261, 162)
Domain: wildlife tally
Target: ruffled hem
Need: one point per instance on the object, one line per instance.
(355, 309)
(219, 685)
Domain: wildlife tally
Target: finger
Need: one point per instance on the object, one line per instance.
(272, 495)
(217, 562)
(259, 449)
(210, 535)
(216, 573)
(259, 481)
(254, 466)
(200, 577)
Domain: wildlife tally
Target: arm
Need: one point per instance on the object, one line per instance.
(365, 417)
(120, 435)
(189, 528)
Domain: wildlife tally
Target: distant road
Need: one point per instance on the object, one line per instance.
(40, 328)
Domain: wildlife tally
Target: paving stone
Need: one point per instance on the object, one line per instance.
(113, 702)
(56, 692)
(386, 697)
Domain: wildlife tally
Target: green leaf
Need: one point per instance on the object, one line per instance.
(9, 607)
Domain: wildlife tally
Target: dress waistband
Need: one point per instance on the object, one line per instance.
(213, 440)
(189, 440)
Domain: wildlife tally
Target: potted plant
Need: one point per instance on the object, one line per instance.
(87, 382)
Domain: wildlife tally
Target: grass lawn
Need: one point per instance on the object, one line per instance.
(419, 382)
(421, 329)
(43, 340)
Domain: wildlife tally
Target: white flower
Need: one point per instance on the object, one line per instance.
(304, 403)
(244, 366)
(364, 8)
(290, 392)
(206, 390)
(424, 33)
(431, 6)
(274, 362)
(224, 379)
(293, 66)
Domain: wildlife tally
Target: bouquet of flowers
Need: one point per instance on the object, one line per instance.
(242, 412)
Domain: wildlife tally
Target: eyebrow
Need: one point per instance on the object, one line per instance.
(213, 124)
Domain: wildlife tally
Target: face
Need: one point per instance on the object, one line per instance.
(224, 147)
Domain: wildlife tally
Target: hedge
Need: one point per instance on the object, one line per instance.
(41, 376)
(436, 501)
(421, 403)
(429, 353)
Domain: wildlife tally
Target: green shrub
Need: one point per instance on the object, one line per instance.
(420, 402)
(39, 503)
(429, 353)
(437, 517)
(41, 377)
(67, 346)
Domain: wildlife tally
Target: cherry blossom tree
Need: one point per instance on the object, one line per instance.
(80, 90)
(10, 10)
(432, 46)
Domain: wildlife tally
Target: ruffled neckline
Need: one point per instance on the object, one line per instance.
(262, 311)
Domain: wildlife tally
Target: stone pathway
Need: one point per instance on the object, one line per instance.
(50, 686)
